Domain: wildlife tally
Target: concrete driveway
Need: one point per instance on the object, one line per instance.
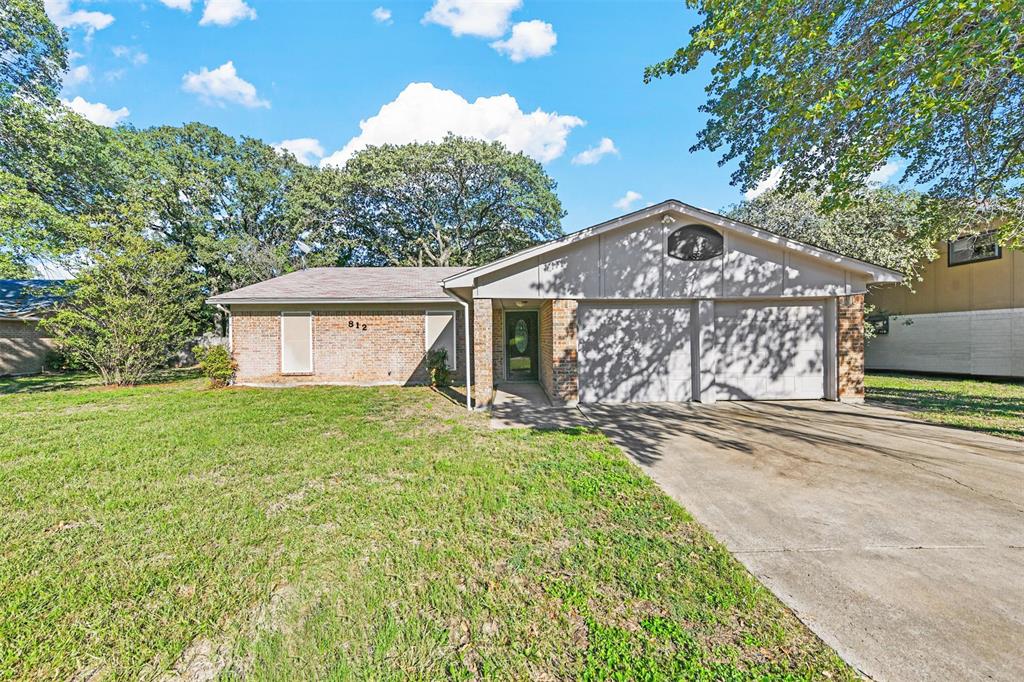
(901, 544)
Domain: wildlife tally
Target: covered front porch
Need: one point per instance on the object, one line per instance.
(524, 341)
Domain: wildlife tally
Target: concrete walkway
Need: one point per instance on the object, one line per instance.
(901, 544)
(526, 405)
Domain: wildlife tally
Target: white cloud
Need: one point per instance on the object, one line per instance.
(589, 157)
(382, 15)
(424, 113)
(99, 113)
(883, 174)
(627, 200)
(306, 149)
(486, 19)
(183, 5)
(134, 55)
(529, 39)
(226, 12)
(222, 85)
(60, 13)
(771, 182)
(76, 75)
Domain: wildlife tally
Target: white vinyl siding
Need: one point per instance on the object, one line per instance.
(979, 342)
(440, 333)
(296, 343)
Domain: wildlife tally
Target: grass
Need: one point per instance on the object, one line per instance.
(337, 533)
(991, 406)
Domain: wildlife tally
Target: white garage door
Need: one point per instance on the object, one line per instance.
(770, 351)
(634, 353)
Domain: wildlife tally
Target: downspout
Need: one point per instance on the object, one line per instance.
(465, 311)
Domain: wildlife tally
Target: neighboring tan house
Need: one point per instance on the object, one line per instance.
(23, 345)
(966, 316)
(670, 303)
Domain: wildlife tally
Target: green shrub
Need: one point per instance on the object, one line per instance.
(217, 364)
(56, 361)
(437, 364)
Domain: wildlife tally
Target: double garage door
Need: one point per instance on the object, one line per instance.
(654, 352)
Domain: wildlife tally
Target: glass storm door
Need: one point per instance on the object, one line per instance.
(521, 345)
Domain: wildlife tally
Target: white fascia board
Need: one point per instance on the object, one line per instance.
(876, 272)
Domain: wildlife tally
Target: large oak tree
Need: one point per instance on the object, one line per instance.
(829, 90)
(454, 202)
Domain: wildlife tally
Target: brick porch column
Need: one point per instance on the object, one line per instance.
(850, 347)
(483, 352)
(564, 362)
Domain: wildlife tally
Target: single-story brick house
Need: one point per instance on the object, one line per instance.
(23, 344)
(670, 303)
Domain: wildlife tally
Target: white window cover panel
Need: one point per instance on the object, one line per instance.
(441, 333)
(296, 343)
(770, 351)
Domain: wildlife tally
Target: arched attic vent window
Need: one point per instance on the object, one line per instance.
(695, 242)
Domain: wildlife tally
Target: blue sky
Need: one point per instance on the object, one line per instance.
(309, 70)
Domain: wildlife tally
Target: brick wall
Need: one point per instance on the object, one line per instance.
(850, 347)
(23, 346)
(483, 351)
(256, 344)
(546, 350)
(391, 349)
(564, 364)
(498, 345)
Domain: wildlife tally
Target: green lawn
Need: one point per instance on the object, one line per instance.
(338, 533)
(995, 407)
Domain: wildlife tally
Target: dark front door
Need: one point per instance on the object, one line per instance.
(521, 332)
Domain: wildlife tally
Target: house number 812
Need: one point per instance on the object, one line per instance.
(357, 325)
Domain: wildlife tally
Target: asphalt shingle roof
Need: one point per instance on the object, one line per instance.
(346, 284)
(25, 297)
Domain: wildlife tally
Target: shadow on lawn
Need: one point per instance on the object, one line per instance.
(43, 383)
(956, 405)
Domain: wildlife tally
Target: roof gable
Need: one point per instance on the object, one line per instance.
(827, 258)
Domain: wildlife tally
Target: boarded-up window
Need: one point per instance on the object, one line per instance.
(296, 343)
(441, 333)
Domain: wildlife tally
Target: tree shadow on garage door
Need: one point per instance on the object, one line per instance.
(634, 352)
(630, 351)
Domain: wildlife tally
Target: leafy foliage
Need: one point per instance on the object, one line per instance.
(34, 53)
(455, 202)
(129, 312)
(437, 366)
(829, 91)
(228, 204)
(63, 182)
(882, 226)
(217, 364)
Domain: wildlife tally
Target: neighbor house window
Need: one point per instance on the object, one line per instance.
(879, 322)
(441, 333)
(975, 248)
(695, 242)
(296, 343)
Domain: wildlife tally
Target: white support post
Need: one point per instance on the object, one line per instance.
(705, 352)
